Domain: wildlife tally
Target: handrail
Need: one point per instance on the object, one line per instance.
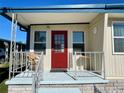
(90, 52)
(37, 74)
(38, 65)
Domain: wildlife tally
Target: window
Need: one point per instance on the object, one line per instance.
(59, 42)
(78, 41)
(40, 41)
(118, 38)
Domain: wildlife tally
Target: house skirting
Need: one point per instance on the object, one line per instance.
(114, 86)
(114, 78)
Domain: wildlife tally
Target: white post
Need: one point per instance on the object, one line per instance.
(13, 45)
(10, 59)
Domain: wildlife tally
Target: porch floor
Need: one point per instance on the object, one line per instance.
(83, 77)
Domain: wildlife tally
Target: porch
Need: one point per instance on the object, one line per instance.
(83, 64)
(23, 73)
(83, 67)
(52, 78)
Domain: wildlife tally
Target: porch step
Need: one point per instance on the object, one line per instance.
(59, 90)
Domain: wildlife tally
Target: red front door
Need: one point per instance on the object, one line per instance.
(59, 51)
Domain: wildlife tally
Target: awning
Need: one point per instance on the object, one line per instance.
(28, 19)
(52, 14)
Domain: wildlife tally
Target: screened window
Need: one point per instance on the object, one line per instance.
(118, 37)
(40, 41)
(78, 41)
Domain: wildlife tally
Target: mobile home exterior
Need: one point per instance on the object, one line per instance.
(101, 40)
(82, 38)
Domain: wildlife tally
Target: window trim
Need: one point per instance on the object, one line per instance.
(79, 42)
(113, 37)
(39, 42)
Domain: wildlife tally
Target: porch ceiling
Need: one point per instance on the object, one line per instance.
(116, 15)
(27, 19)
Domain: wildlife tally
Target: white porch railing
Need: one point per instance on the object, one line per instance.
(24, 62)
(38, 75)
(27, 63)
(87, 61)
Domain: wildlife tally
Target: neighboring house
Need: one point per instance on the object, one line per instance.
(83, 42)
(2, 54)
(5, 48)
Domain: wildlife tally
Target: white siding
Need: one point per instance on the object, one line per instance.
(96, 39)
(114, 62)
(69, 28)
(99, 41)
(102, 41)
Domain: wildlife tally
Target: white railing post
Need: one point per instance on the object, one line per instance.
(90, 59)
(85, 66)
(21, 59)
(16, 63)
(13, 64)
(70, 61)
(26, 61)
(103, 66)
(75, 64)
(95, 55)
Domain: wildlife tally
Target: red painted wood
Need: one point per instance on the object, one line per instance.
(59, 59)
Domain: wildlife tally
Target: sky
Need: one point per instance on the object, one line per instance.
(36, 3)
(5, 30)
(5, 25)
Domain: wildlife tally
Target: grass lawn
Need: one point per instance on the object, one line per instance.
(5, 65)
(3, 87)
(3, 77)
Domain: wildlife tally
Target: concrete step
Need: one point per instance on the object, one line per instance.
(59, 90)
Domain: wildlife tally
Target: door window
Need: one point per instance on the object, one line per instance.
(59, 43)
